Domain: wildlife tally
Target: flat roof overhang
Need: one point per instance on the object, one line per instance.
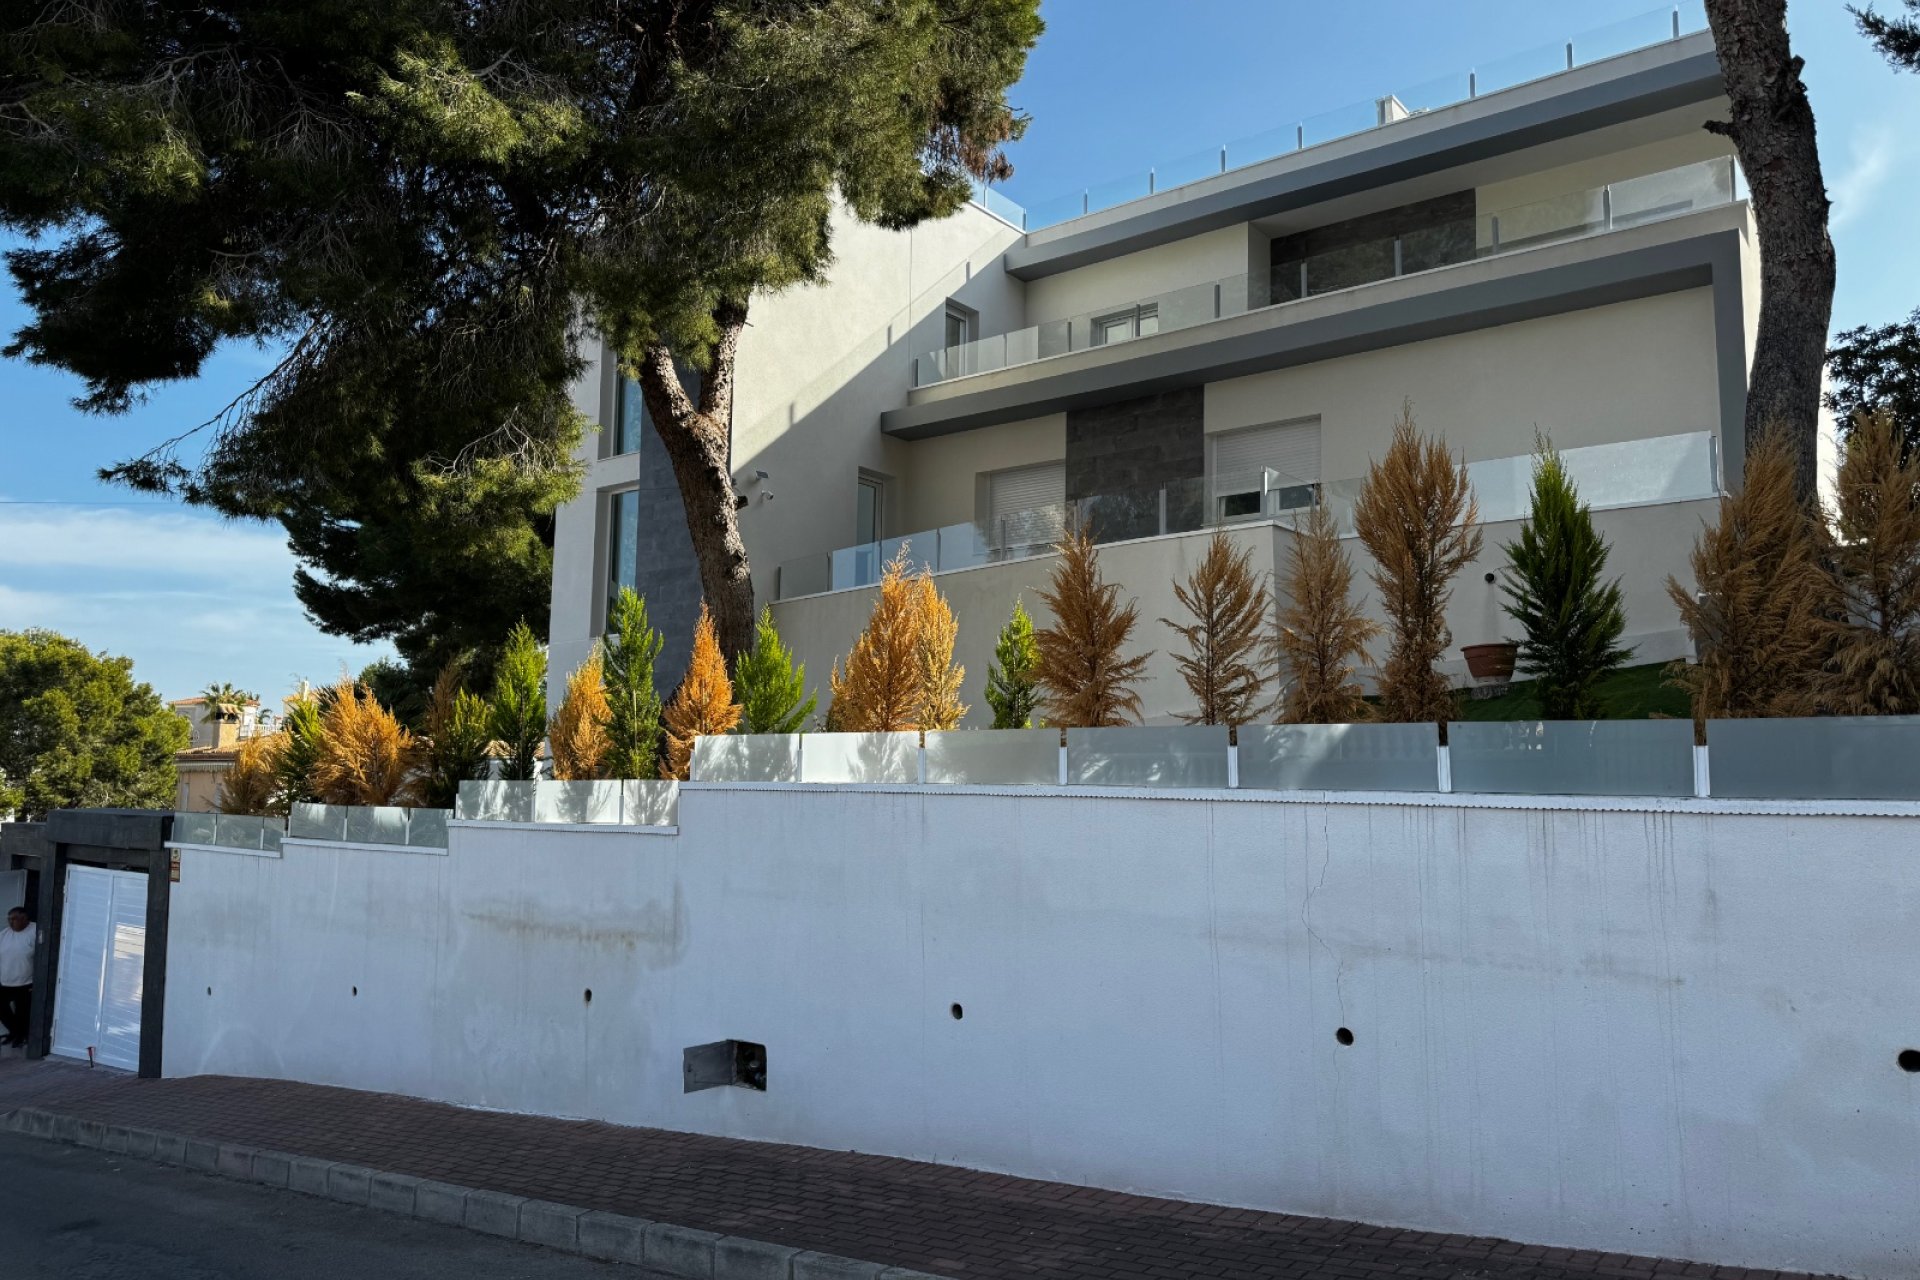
(1663, 77)
(1696, 250)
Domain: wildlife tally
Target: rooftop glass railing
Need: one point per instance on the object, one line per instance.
(1592, 211)
(1643, 472)
(1655, 27)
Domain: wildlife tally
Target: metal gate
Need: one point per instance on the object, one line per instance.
(103, 948)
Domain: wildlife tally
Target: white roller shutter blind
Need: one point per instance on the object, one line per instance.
(1027, 505)
(1291, 448)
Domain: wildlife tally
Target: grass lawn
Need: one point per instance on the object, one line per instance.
(1634, 693)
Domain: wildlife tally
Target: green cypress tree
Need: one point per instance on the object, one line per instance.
(301, 723)
(771, 689)
(1012, 690)
(627, 669)
(518, 716)
(1572, 619)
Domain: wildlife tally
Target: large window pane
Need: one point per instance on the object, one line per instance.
(623, 549)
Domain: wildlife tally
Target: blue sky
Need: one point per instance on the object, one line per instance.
(1115, 86)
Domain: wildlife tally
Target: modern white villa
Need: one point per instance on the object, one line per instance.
(1549, 245)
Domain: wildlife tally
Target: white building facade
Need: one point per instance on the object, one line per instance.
(1568, 257)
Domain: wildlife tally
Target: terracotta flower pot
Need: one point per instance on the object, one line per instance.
(1491, 661)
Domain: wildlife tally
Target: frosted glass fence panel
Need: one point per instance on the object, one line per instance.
(1340, 757)
(1631, 473)
(384, 824)
(649, 802)
(194, 828)
(427, 828)
(1192, 756)
(1573, 757)
(577, 802)
(1671, 193)
(860, 757)
(318, 822)
(495, 802)
(1829, 758)
(246, 831)
(759, 757)
(994, 757)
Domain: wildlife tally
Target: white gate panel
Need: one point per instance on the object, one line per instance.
(103, 948)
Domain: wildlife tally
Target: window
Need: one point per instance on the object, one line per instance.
(1265, 470)
(960, 324)
(1026, 506)
(1120, 326)
(623, 542)
(630, 416)
(869, 509)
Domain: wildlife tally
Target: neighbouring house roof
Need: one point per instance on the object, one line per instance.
(205, 756)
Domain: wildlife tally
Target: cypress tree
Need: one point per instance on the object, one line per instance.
(633, 704)
(1012, 690)
(1572, 619)
(772, 689)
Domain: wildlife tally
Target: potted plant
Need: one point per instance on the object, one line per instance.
(1491, 661)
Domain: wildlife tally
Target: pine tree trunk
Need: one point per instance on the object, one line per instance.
(698, 440)
(1773, 133)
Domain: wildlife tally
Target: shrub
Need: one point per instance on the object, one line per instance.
(1572, 620)
(1011, 688)
(1416, 516)
(900, 673)
(366, 756)
(1762, 594)
(300, 754)
(458, 738)
(1875, 633)
(771, 688)
(703, 705)
(1229, 609)
(577, 735)
(633, 704)
(1085, 681)
(518, 710)
(1320, 635)
(252, 785)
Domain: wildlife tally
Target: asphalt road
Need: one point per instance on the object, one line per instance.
(84, 1215)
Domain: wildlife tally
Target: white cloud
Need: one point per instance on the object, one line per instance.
(1870, 161)
(190, 598)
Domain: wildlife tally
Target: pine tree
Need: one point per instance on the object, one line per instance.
(1011, 690)
(1320, 635)
(518, 708)
(633, 704)
(1085, 681)
(577, 734)
(1876, 558)
(703, 705)
(1572, 619)
(771, 687)
(458, 737)
(1229, 608)
(884, 686)
(1761, 595)
(1417, 518)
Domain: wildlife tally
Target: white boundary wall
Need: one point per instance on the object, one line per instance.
(1662, 1027)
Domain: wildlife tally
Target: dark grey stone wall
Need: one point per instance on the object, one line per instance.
(1432, 233)
(1123, 454)
(666, 573)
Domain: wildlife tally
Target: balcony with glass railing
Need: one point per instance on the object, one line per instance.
(1629, 35)
(1592, 211)
(1646, 472)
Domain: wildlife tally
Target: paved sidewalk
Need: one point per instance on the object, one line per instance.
(952, 1222)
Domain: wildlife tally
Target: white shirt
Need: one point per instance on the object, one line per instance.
(16, 955)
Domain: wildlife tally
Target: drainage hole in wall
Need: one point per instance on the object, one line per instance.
(1910, 1059)
(589, 996)
(957, 1012)
(1344, 1036)
(1489, 579)
(209, 990)
(356, 991)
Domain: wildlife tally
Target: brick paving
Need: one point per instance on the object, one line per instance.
(953, 1222)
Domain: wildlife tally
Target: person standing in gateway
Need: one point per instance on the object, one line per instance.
(16, 974)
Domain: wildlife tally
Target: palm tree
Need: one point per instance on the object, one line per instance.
(224, 702)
